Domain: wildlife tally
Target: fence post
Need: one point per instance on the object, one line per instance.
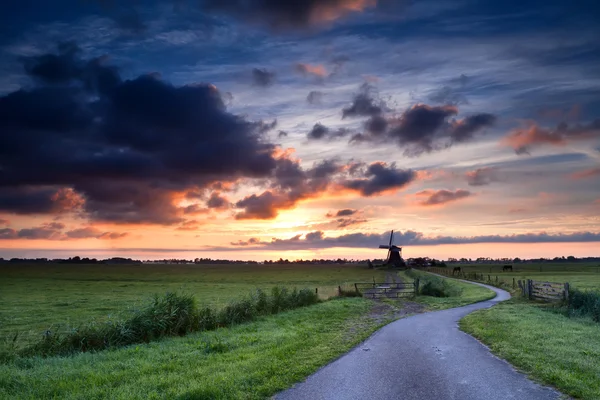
(489, 279)
(514, 285)
(416, 286)
(496, 279)
(356, 287)
(567, 292)
(339, 290)
(530, 288)
(317, 290)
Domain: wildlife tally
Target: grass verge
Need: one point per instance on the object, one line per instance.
(248, 361)
(170, 315)
(550, 347)
(460, 293)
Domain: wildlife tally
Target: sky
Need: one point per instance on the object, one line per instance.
(265, 129)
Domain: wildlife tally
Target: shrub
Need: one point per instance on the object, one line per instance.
(584, 303)
(435, 286)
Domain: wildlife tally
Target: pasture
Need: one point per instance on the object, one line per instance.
(579, 275)
(36, 297)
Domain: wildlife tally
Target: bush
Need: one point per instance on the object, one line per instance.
(169, 315)
(431, 285)
(584, 303)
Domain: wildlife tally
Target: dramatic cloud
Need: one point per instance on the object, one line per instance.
(217, 201)
(38, 200)
(483, 176)
(379, 178)
(318, 240)
(264, 206)
(436, 197)
(290, 184)
(316, 70)
(282, 15)
(122, 150)
(320, 131)
(262, 77)
(522, 140)
(419, 129)
(314, 97)
(364, 104)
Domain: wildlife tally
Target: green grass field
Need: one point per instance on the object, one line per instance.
(249, 361)
(34, 298)
(552, 348)
(579, 275)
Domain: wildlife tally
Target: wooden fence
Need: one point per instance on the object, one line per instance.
(374, 290)
(546, 291)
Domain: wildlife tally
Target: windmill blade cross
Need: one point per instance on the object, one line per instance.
(391, 237)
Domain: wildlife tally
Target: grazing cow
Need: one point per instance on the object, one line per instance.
(456, 269)
(507, 268)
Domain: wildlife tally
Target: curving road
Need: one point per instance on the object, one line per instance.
(422, 357)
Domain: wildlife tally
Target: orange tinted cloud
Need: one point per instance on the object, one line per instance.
(521, 139)
(330, 11)
(588, 173)
(307, 69)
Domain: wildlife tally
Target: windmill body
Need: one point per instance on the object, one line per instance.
(394, 255)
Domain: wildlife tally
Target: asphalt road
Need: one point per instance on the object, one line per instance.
(422, 357)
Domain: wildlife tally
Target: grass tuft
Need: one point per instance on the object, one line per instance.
(170, 315)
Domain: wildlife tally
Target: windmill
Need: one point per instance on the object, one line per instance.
(394, 255)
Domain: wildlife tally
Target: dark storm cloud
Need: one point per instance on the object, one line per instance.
(346, 212)
(320, 131)
(318, 240)
(423, 128)
(262, 77)
(263, 206)
(378, 178)
(483, 176)
(124, 146)
(217, 201)
(314, 97)
(38, 200)
(364, 104)
(284, 15)
(282, 134)
(290, 184)
(522, 140)
(437, 197)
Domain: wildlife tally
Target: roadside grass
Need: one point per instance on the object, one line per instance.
(39, 297)
(552, 348)
(464, 293)
(248, 361)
